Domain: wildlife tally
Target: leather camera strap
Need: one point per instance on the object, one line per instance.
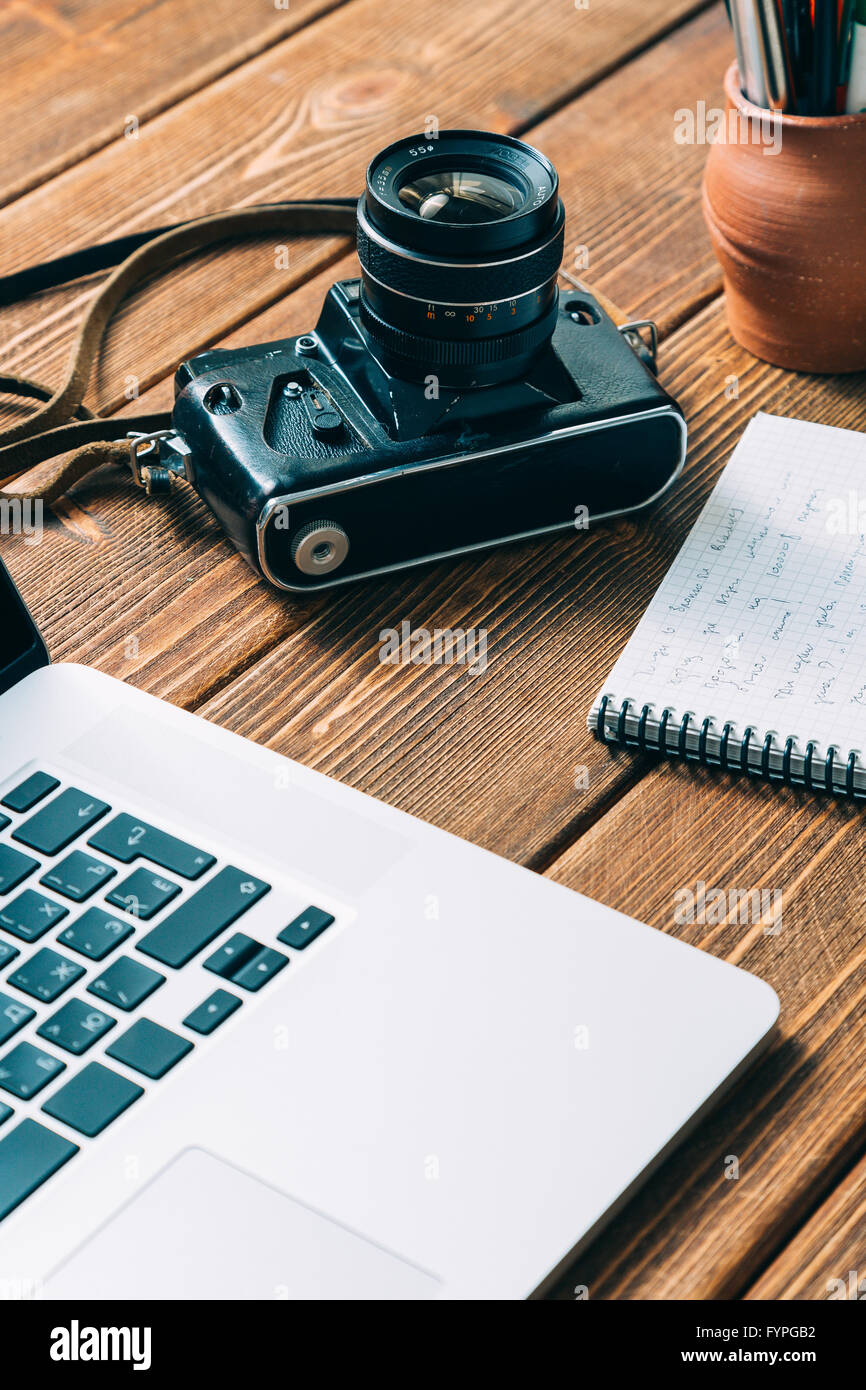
(62, 441)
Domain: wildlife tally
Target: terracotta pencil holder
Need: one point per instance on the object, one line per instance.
(785, 201)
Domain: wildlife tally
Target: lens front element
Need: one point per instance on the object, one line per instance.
(461, 198)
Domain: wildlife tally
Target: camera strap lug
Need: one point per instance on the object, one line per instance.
(631, 329)
(157, 460)
(633, 333)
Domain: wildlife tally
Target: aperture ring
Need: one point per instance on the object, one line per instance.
(461, 284)
(450, 352)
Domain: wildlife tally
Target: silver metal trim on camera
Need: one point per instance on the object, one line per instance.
(457, 303)
(286, 502)
(420, 256)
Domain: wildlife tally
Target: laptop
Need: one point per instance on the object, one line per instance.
(263, 1037)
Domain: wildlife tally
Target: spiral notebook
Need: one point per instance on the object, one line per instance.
(752, 654)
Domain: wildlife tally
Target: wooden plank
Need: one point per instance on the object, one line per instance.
(319, 136)
(797, 1121)
(632, 192)
(131, 566)
(77, 75)
(826, 1258)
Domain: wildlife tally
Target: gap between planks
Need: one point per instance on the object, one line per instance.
(804, 1218)
(630, 56)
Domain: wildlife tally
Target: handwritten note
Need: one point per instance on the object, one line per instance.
(761, 620)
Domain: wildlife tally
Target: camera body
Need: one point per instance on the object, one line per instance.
(301, 443)
(448, 400)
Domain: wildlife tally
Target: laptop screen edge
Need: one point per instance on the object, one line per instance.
(22, 649)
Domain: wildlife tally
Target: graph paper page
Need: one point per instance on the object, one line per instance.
(761, 619)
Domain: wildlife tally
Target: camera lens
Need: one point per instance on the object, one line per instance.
(460, 242)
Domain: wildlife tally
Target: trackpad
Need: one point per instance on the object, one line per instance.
(203, 1229)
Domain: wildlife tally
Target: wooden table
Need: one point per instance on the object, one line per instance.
(130, 114)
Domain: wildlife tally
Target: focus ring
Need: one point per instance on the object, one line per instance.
(443, 282)
(452, 352)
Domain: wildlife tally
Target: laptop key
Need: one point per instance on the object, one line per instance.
(4, 821)
(8, 952)
(31, 915)
(148, 1048)
(29, 1154)
(214, 1011)
(95, 933)
(76, 1027)
(200, 919)
(26, 1069)
(92, 1099)
(232, 955)
(305, 928)
(5, 1112)
(126, 983)
(28, 792)
(128, 839)
(61, 821)
(78, 876)
(46, 975)
(260, 969)
(13, 1015)
(143, 894)
(14, 867)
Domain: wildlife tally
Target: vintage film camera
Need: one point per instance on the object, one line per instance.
(449, 400)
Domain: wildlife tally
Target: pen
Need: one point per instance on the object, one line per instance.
(825, 64)
(775, 59)
(856, 95)
(798, 23)
(845, 24)
(745, 23)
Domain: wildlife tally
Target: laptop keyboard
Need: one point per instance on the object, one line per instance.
(75, 963)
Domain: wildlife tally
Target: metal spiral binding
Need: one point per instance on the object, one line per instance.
(739, 762)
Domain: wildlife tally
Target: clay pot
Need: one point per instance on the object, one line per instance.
(789, 229)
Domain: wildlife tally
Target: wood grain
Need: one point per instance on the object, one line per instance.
(319, 137)
(307, 115)
(632, 192)
(798, 1120)
(826, 1258)
(77, 74)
